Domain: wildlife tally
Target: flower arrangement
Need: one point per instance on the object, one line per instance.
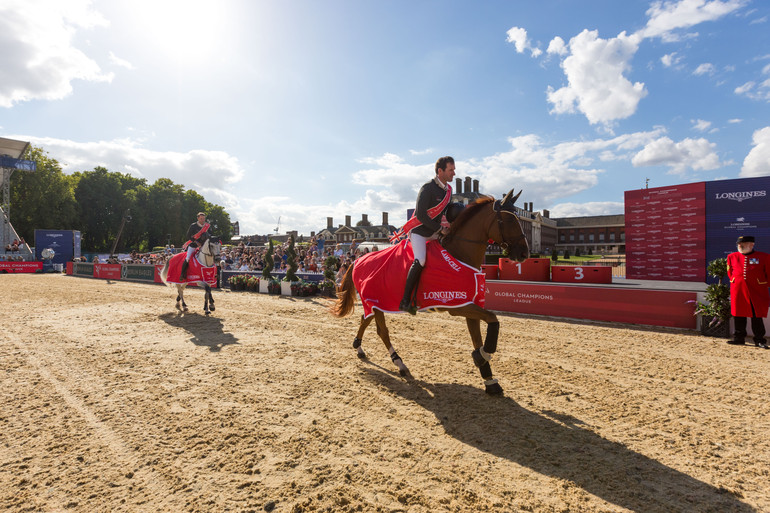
(238, 282)
(252, 283)
(304, 288)
(274, 286)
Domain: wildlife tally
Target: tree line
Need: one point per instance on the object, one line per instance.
(95, 203)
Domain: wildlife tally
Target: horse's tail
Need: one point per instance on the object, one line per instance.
(346, 296)
(164, 272)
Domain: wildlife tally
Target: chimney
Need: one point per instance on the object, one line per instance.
(476, 186)
(468, 184)
(385, 219)
(330, 222)
(364, 219)
(347, 220)
(458, 185)
(546, 213)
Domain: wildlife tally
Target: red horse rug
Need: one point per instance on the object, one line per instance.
(445, 282)
(195, 271)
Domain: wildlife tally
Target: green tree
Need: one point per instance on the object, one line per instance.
(42, 199)
(102, 204)
(291, 260)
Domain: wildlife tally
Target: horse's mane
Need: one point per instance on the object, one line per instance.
(468, 213)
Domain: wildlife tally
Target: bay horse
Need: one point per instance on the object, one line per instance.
(483, 220)
(207, 256)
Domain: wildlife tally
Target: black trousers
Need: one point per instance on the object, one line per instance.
(757, 326)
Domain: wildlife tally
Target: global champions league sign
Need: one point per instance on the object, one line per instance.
(735, 208)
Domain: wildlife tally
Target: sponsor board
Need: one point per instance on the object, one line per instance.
(83, 269)
(107, 271)
(650, 307)
(663, 217)
(21, 267)
(735, 208)
(138, 272)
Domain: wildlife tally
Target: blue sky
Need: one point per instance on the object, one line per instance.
(309, 109)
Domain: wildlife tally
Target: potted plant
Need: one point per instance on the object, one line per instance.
(328, 286)
(715, 313)
(274, 286)
(252, 283)
(266, 276)
(291, 261)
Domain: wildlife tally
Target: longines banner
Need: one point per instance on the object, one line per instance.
(665, 233)
(735, 208)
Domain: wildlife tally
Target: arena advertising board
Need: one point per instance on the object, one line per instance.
(83, 269)
(138, 272)
(650, 307)
(108, 271)
(661, 218)
(735, 208)
(64, 243)
(21, 267)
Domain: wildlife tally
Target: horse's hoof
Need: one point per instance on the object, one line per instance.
(494, 389)
(361, 354)
(185, 309)
(404, 372)
(178, 307)
(208, 313)
(212, 308)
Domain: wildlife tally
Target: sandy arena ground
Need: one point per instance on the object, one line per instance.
(112, 402)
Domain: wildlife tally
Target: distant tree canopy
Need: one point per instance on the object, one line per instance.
(94, 202)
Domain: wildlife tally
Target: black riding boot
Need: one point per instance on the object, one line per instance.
(183, 274)
(412, 279)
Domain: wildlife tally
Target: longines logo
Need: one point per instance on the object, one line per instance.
(444, 296)
(740, 196)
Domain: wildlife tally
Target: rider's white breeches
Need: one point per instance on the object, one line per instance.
(418, 246)
(190, 252)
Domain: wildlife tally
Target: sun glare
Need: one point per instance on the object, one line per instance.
(184, 31)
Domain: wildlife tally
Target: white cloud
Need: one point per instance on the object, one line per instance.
(120, 62)
(597, 87)
(557, 46)
(426, 151)
(667, 17)
(755, 91)
(700, 125)
(704, 69)
(757, 162)
(518, 36)
(596, 68)
(591, 208)
(696, 154)
(38, 59)
(734, 121)
(198, 169)
(670, 59)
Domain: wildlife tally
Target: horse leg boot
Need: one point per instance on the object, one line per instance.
(412, 279)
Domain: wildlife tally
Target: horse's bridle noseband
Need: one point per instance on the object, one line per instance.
(499, 209)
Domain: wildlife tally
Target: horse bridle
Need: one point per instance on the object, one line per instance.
(210, 254)
(498, 208)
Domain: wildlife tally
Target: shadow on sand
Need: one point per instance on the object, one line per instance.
(205, 331)
(561, 447)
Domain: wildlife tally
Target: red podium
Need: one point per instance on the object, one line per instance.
(532, 269)
(490, 271)
(581, 274)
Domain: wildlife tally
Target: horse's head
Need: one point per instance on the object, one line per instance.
(214, 245)
(508, 232)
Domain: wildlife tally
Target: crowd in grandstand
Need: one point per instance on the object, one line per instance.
(251, 258)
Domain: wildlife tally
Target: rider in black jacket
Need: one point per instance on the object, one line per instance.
(427, 211)
(197, 234)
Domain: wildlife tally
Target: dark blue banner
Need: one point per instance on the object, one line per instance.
(22, 165)
(64, 243)
(735, 208)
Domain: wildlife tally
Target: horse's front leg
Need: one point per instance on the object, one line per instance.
(206, 296)
(180, 297)
(211, 300)
(482, 353)
(382, 331)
